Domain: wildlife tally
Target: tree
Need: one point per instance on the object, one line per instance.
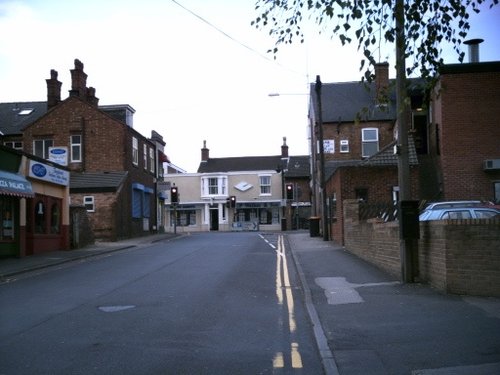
(427, 24)
(417, 28)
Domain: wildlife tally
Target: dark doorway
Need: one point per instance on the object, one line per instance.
(214, 219)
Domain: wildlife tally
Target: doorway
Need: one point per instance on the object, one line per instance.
(214, 219)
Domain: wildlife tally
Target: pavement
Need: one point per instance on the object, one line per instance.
(371, 323)
(12, 267)
(365, 321)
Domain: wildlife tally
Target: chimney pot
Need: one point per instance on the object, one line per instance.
(474, 49)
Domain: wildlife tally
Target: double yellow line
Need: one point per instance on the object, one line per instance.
(283, 283)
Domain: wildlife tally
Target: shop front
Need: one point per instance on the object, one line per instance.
(34, 204)
(47, 214)
(15, 190)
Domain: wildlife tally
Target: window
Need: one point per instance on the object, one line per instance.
(496, 191)
(76, 148)
(25, 111)
(213, 187)
(7, 218)
(147, 202)
(145, 156)
(137, 192)
(55, 219)
(344, 146)
(265, 185)
(16, 145)
(152, 160)
(333, 206)
(135, 151)
(456, 215)
(216, 185)
(88, 202)
(41, 147)
(361, 194)
(185, 217)
(485, 214)
(39, 217)
(369, 139)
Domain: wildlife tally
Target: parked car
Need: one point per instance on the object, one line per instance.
(458, 210)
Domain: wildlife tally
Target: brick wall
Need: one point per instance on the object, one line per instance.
(76, 117)
(467, 114)
(81, 233)
(455, 256)
(379, 182)
(352, 133)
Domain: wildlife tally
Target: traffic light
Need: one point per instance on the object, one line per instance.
(289, 191)
(174, 195)
(232, 201)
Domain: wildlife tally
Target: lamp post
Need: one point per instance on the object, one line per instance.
(281, 170)
(317, 88)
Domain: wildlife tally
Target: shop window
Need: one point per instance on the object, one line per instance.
(7, 217)
(39, 217)
(136, 203)
(185, 218)
(55, 219)
(147, 204)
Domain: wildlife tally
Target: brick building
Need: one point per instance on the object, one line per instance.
(359, 132)
(257, 184)
(465, 132)
(453, 139)
(113, 167)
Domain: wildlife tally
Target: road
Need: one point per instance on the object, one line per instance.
(208, 303)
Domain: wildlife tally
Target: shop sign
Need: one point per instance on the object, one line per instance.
(48, 173)
(14, 184)
(58, 155)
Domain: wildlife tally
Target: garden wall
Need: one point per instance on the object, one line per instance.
(455, 256)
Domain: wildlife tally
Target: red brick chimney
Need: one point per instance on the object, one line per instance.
(53, 90)
(91, 98)
(78, 81)
(205, 152)
(284, 149)
(381, 79)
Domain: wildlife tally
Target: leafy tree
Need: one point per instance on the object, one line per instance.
(427, 24)
(416, 27)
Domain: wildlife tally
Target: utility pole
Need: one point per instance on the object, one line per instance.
(402, 104)
(321, 160)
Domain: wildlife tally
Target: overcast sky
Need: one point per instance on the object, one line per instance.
(193, 72)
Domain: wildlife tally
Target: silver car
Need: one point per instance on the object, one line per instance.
(458, 210)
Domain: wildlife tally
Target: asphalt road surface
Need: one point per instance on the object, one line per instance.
(208, 303)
